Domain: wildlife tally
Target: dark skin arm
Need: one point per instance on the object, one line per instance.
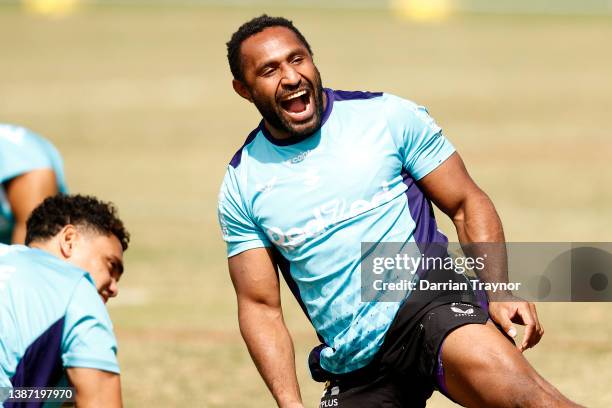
(451, 189)
(262, 325)
(95, 388)
(24, 193)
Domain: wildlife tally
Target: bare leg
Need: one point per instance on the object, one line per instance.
(483, 369)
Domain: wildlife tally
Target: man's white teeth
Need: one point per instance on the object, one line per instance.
(295, 95)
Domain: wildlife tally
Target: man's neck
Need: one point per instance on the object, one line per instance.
(48, 247)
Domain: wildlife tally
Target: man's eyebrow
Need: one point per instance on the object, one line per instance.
(269, 63)
(288, 56)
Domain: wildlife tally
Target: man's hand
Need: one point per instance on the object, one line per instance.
(517, 310)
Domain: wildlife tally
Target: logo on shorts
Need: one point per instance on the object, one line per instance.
(331, 399)
(333, 402)
(465, 310)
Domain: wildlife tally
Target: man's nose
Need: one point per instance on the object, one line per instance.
(290, 76)
(113, 288)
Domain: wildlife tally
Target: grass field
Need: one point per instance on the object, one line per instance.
(140, 104)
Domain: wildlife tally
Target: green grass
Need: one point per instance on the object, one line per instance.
(140, 104)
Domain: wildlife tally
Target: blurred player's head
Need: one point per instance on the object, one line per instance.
(85, 232)
(272, 65)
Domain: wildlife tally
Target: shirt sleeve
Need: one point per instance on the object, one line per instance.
(21, 152)
(89, 341)
(422, 145)
(239, 231)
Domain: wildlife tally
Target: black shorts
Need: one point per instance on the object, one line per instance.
(408, 367)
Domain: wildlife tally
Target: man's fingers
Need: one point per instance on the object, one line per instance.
(539, 327)
(524, 311)
(539, 331)
(519, 312)
(504, 321)
(536, 335)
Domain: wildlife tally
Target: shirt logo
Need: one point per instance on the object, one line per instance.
(326, 216)
(299, 158)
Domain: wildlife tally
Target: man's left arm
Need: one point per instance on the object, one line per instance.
(452, 189)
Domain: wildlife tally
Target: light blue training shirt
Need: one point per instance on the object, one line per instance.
(22, 151)
(51, 318)
(315, 199)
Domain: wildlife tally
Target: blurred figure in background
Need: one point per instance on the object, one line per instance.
(31, 169)
(54, 325)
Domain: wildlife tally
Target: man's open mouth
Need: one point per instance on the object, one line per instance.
(298, 105)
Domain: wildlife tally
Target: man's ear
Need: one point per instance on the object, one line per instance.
(242, 90)
(67, 240)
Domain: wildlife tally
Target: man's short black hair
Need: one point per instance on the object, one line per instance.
(56, 212)
(252, 27)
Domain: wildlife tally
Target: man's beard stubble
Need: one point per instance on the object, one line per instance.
(272, 114)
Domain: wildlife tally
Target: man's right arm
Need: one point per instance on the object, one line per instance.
(262, 325)
(89, 349)
(95, 388)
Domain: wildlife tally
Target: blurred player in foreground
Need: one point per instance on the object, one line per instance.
(30, 170)
(53, 321)
(325, 171)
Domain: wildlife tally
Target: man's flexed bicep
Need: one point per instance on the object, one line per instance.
(451, 189)
(255, 280)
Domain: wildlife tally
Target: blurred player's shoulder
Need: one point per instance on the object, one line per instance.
(22, 151)
(20, 137)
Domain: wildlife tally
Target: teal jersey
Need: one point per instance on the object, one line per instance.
(22, 151)
(51, 318)
(316, 199)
